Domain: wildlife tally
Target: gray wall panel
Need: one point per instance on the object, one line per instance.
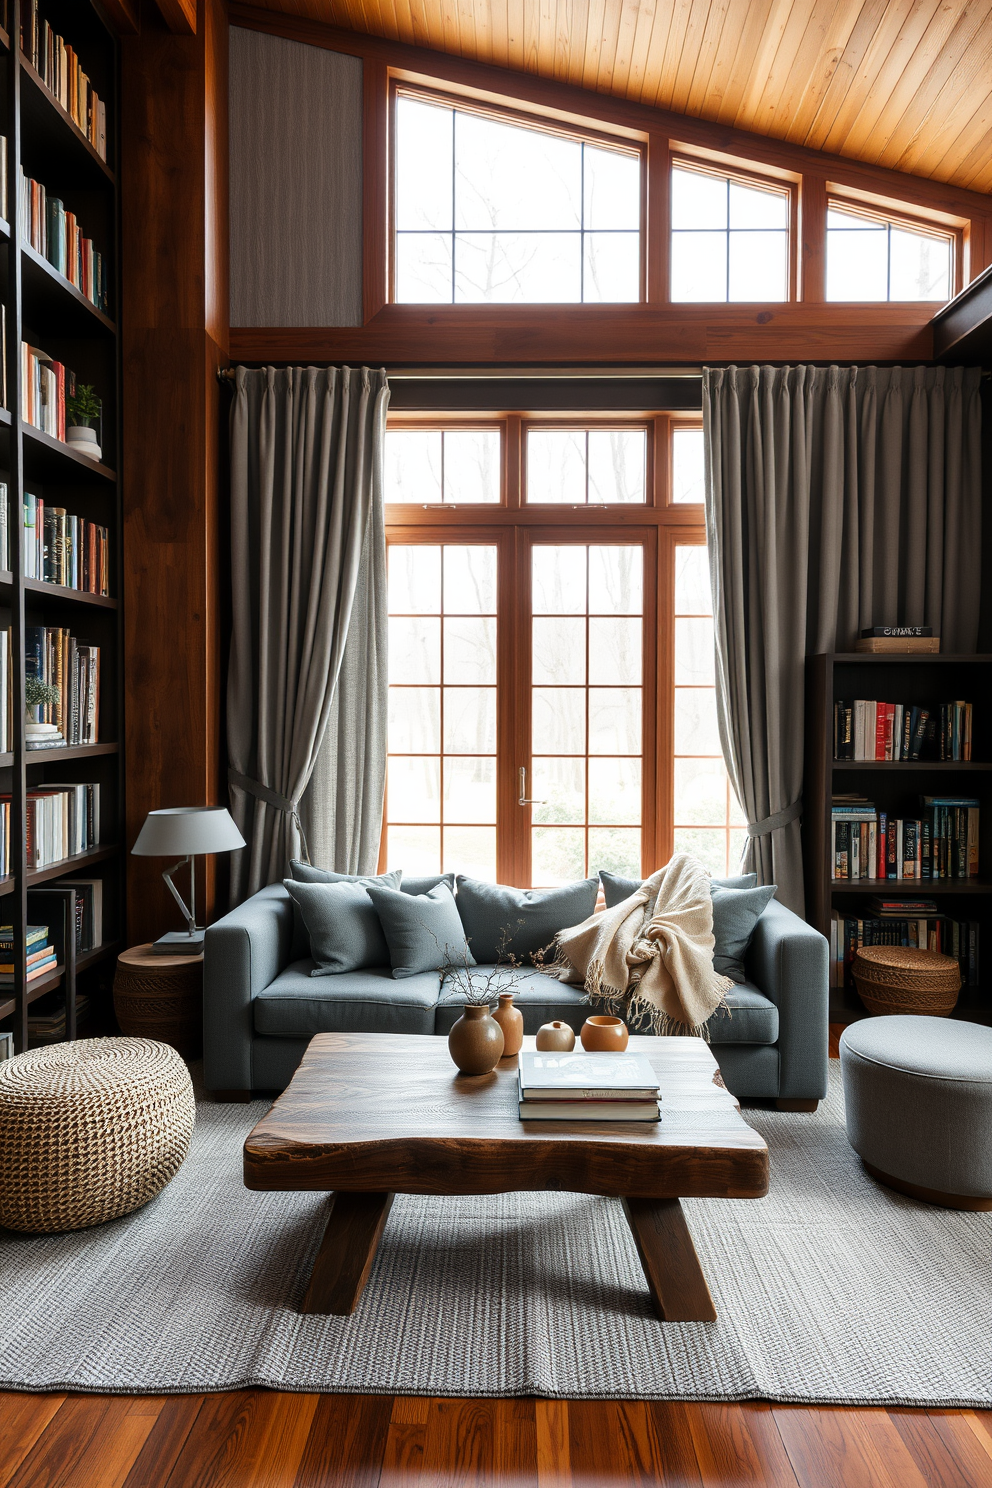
(296, 183)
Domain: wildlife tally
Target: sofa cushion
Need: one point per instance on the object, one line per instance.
(344, 929)
(750, 1018)
(530, 918)
(423, 931)
(297, 1004)
(540, 998)
(307, 873)
(735, 914)
(616, 889)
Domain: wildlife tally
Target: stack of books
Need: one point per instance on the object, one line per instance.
(866, 729)
(941, 842)
(896, 639)
(41, 954)
(57, 236)
(58, 67)
(48, 1027)
(587, 1087)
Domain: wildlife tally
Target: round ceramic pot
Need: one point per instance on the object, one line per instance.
(603, 1035)
(555, 1037)
(475, 1043)
(511, 1022)
(83, 441)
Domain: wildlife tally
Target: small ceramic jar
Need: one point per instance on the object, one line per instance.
(475, 1042)
(604, 1035)
(555, 1037)
(511, 1021)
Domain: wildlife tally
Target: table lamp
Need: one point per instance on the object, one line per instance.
(185, 830)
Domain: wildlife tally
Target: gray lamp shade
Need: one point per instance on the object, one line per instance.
(186, 831)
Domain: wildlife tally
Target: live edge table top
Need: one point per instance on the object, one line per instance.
(389, 1113)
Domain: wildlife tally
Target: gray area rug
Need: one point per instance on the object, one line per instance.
(831, 1289)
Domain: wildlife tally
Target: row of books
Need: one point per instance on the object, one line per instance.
(56, 234)
(586, 1087)
(942, 842)
(61, 548)
(866, 729)
(41, 957)
(61, 821)
(58, 67)
(43, 391)
(896, 922)
(6, 866)
(58, 658)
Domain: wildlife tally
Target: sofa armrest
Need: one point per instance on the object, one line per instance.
(242, 953)
(788, 960)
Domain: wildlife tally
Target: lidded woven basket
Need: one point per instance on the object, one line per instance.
(903, 979)
(90, 1131)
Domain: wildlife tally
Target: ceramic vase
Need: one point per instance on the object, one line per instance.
(603, 1035)
(555, 1037)
(511, 1022)
(83, 441)
(475, 1043)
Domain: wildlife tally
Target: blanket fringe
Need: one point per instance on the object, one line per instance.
(639, 1014)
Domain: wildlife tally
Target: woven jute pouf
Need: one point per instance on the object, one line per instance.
(90, 1130)
(902, 979)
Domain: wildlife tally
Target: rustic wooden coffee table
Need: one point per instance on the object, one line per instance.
(370, 1115)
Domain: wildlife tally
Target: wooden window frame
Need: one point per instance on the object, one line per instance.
(514, 526)
(594, 134)
(926, 225)
(601, 422)
(750, 175)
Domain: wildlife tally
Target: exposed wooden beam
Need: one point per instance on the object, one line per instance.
(962, 330)
(123, 16)
(179, 16)
(466, 335)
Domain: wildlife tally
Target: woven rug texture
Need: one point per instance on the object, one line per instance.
(831, 1289)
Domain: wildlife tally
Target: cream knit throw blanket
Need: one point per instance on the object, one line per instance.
(650, 958)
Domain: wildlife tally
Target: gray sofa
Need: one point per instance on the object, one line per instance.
(261, 1007)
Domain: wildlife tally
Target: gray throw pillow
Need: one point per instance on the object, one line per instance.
(615, 889)
(340, 919)
(735, 914)
(423, 931)
(307, 873)
(531, 917)
(424, 885)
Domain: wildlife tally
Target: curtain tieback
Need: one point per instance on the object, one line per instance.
(271, 798)
(777, 819)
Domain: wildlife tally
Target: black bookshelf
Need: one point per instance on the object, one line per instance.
(894, 786)
(43, 308)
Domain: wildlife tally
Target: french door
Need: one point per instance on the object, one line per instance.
(524, 724)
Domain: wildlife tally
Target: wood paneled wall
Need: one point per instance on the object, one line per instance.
(175, 326)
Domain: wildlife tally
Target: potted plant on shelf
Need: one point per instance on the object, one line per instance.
(38, 695)
(83, 408)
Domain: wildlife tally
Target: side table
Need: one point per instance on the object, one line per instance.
(161, 997)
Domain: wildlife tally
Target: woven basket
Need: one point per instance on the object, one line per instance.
(90, 1130)
(158, 997)
(901, 979)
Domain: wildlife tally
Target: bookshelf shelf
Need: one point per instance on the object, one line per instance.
(894, 787)
(47, 120)
(69, 312)
(48, 458)
(44, 309)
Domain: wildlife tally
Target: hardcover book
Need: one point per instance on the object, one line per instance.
(581, 1076)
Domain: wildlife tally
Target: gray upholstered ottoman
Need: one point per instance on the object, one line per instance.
(919, 1106)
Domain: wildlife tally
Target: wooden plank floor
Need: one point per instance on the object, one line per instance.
(265, 1439)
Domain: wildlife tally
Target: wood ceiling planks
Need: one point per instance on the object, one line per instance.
(900, 83)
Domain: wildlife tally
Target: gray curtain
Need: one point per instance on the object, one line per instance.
(306, 544)
(836, 498)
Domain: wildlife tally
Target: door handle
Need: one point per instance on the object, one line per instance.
(523, 799)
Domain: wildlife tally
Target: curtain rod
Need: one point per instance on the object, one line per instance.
(500, 374)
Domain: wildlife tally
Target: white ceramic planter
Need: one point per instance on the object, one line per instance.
(83, 441)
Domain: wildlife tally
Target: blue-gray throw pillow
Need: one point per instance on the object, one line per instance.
(735, 914)
(424, 885)
(340, 919)
(530, 918)
(616, 889)
(423, 931)
(307, 873)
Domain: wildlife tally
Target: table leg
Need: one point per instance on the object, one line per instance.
(675, 1278)
(344, 1260)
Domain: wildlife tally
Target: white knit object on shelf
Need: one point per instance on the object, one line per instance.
(90, 1130)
